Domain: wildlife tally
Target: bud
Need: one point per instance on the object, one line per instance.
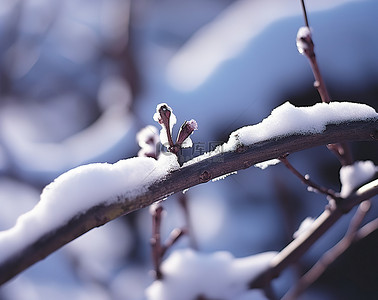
(165, 117)
(305, 44)
(186, 130)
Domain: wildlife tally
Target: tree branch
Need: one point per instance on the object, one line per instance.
(302, 243)
(331, 255)
(186, 177)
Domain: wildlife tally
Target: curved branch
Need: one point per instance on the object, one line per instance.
(188, 176)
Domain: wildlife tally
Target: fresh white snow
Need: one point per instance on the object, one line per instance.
(305, 224)
(223, 176)
(80, 189)
(217, 275)
(271, 162)
(288, 119)
(353, 176)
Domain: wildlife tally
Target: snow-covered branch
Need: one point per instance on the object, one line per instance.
(92, 195)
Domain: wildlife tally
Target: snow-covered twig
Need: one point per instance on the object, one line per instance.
(305, 46)
(303, 242)
(331, 255)
(138, 182)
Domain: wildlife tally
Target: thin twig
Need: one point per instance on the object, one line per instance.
(159, 249)
(306, 180)
(367, 229)
(183, 200)
(299, 246)
(331, 255)
(175, 235)
(304, 13)
(156, 239)
(341, 150)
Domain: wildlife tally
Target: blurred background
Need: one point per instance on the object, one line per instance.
(79, 79)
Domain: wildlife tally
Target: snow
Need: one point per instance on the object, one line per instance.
(188, 274)
(305, 224)
(271, 162)
(353, 176)
(80, 189)
(304, 34)
(223, 176)
(288, 119)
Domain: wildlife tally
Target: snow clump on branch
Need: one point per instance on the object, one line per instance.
(352, 176)
(80, 189)
(189, 274)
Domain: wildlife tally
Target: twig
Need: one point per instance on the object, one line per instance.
(367, 229)
(331, 255)
(181, 179)
(309, 52)
(303, 242)
(304, 13)
(306, 180)
(175, 235)
(158, 249)
(183, 200)
(156, 239)
(341, 150)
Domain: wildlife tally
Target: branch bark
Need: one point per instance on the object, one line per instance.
(183, 178)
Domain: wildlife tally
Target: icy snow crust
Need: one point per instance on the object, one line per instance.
(80, 189)
(218, 275)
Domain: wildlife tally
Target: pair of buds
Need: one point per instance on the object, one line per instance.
(148, 138)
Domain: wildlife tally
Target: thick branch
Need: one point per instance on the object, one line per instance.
(183, 178)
